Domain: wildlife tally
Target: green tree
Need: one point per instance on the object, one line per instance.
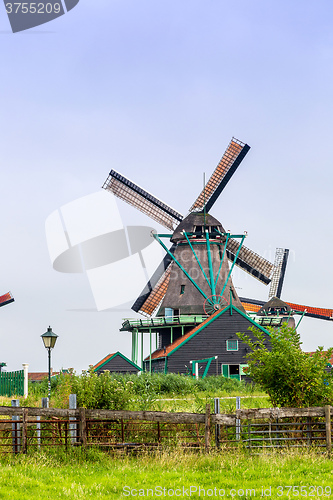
(291, 377)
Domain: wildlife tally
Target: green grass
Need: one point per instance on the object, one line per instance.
(196, 403)
(97, 475)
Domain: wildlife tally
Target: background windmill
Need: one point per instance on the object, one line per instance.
(280, 264)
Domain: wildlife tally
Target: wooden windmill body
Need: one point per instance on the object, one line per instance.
(203, 263)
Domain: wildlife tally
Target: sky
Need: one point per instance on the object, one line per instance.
(156, 90)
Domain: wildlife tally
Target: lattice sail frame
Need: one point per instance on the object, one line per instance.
(250, 262)
(149, 307)
(280, 263)
(227, 166)
(142, 200)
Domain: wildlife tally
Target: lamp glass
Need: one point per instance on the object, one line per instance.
(49, 338)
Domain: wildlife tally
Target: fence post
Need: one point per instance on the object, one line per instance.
(72, 427)
(25, 379)
(217, 426)
(83, 427)
(24, 430)
(207, 428)
(38, 429)
(16, 434)
(328, 429)
(45, 402)
(238, 426)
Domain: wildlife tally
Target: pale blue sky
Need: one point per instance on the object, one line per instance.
(156, 90)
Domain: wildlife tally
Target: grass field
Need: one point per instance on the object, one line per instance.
(100, 476)
(196, 403)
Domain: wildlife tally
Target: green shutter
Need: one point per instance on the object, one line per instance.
(241, 369)
(225, 371)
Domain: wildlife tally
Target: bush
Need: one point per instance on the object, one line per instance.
(288, 375)
(94, 391)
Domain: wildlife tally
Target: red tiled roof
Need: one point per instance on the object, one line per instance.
(104, 360)
(324, 352)
(39, 376)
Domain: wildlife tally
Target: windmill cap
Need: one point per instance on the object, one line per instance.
(191, 221)
(274, 303)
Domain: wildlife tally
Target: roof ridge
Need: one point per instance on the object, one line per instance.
(182, 339)
(104, 360)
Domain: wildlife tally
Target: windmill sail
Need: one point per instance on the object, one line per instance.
(152, 300)
(280, 264)
(155, 289)
(5, 299)
(228, 165)
(142, 200)
(250, 262)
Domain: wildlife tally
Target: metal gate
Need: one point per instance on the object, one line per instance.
(12, 383)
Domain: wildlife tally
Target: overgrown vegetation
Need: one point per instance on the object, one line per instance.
(144, 392)
(291, 377)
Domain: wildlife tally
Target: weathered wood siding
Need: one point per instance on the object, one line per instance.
(211, 341)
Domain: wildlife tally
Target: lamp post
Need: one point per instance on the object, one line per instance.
(49, 339)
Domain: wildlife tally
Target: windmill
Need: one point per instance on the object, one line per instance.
(200, 244)
(280, 264)
(198, 221)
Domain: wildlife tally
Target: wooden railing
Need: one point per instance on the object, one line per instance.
(255, 429)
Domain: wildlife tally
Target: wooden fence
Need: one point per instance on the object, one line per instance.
(256, 429)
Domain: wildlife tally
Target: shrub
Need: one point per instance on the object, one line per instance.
(290, 376)
(94, 391)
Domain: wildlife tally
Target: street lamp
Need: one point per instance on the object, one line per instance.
(49, 338)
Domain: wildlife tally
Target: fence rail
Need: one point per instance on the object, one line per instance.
(255, 429)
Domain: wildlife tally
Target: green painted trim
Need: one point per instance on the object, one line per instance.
(233, 264)
(149, 350)
(142, 350)
(225, 370)
(199, 330)
(166, 365)
(224, 251)
(252, 321)
(203, 360)
(232, 350)
(241, 369)
(210, 265)
(215, 318)
(300, 320)
(179, 265)
(132, 352)
(207, 367)
(122, 356)
(195, 255)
